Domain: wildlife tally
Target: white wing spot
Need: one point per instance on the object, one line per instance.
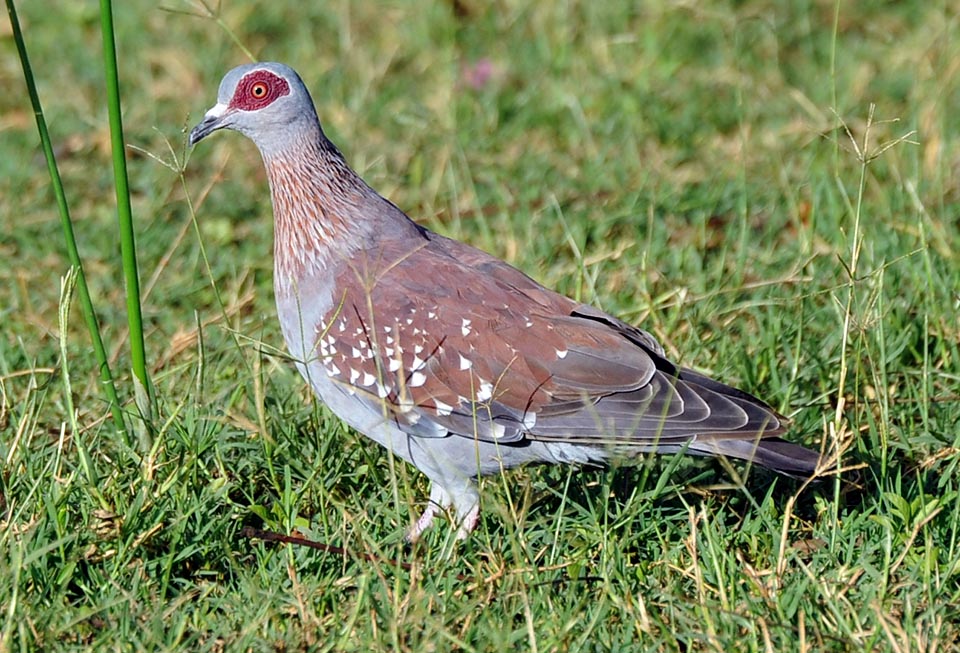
(562, 353)
(465, 363)
(368, 379)
(485, 392)
(354, 375)
(442, 408)
(417, 379)
(394, 364)
(465, 327)
(332, 370)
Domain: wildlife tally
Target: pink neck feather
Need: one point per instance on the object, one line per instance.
(318, 210)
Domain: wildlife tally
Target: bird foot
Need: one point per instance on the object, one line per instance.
(468, 523)
(465, 523)
(423, 523)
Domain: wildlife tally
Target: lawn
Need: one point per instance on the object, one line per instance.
(771, 188)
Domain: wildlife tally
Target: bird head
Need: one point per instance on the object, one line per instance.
(265, 102)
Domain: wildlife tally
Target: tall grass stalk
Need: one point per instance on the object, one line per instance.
(138, 360)
(89, 314)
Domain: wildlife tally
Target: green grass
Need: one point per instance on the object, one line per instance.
(687, 166)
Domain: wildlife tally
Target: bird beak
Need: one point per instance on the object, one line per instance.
(214, 119)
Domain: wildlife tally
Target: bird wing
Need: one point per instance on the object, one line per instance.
(452, 341)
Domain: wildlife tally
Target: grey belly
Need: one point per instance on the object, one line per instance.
(440, 458)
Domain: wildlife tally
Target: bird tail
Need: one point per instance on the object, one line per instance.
(773, 453)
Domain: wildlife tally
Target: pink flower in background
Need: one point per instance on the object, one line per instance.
(477, 74)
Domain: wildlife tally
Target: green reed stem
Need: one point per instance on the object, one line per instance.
(128, 251)
(89, 314)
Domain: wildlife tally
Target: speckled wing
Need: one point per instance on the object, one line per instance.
(447, 340)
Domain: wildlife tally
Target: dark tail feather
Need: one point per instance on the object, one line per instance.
(773, 453)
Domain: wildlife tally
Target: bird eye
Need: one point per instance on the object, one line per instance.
(258, 90)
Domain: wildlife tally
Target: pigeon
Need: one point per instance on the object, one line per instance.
(455, 361)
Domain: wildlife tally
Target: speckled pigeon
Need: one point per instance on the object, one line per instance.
(455, 361)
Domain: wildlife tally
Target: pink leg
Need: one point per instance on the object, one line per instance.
(466, 504)
(439, 501)
(423, 523)
(468, 522)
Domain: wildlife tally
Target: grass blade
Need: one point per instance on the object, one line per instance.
(89, 314)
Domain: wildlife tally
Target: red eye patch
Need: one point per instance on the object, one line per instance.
(257, 90)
